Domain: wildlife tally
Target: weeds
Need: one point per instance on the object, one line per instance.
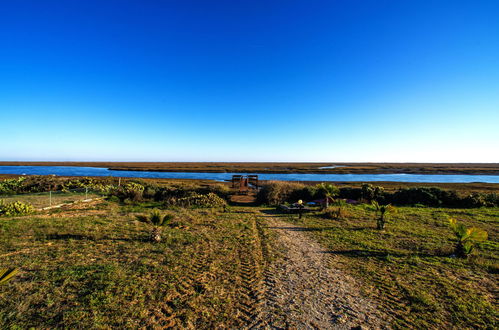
(466, 238)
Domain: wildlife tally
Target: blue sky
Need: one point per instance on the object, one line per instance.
(250, 80)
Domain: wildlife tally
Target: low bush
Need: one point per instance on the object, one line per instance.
(466, 238)
(198, 200)
(15, 208)
(278, 192)
(338, 212)
(131, 192)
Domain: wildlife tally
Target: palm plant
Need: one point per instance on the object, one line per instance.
(466, 238)
(382, 211)
(330, 191)
(7, 273)
(157, 220)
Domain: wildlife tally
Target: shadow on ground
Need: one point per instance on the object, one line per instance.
(383, 254)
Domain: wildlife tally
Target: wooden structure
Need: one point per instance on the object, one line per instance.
(245, 183)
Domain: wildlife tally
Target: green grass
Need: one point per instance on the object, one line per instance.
(408, 267)
(91, 266)
(94, 268)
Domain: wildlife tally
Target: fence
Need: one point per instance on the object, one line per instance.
(52, 198)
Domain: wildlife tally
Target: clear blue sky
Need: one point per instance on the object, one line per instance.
(350, 80)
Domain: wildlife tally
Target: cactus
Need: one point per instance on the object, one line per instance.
(15, 208)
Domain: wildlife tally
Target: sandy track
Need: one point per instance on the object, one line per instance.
(303, 289)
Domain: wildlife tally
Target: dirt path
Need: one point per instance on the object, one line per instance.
(304, 291)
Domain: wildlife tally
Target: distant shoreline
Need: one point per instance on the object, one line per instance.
(278, 167)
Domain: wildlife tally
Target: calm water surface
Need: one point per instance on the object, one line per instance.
(97, 171)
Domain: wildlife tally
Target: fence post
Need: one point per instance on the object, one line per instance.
(86, 192)
(50, 198)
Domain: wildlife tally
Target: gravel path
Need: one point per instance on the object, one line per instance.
(304, 291)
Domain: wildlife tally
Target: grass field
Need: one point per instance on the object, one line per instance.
(90, 265)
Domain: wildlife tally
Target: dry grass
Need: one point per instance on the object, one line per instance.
(93, 267)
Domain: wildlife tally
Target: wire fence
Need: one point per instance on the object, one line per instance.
(52, 198)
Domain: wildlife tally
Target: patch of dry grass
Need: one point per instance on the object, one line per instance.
(93, 267)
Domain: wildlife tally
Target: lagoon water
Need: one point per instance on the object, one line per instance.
(98, 171)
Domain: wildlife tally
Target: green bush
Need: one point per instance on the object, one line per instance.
(198, 200)
(474, 200)
(131, 191)
(15, 208)
(382, 211)
(466, 238)
(11, 186)
(278, 192)
(156, 220)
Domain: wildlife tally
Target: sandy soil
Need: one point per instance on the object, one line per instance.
(303, 289)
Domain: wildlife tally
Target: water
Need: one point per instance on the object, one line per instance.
(332, 166)
(97, 171)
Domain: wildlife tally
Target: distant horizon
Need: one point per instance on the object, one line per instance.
(239, 162)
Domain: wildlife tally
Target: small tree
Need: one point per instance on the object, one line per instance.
(330, 191)
(466, 238)
(7, 273)
(157, 221)
(370, 192)
(382, 211)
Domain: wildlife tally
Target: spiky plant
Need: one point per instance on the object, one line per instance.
(7, 273)
(156, 220)
(382, 212)
(330, 191)
(466, 237)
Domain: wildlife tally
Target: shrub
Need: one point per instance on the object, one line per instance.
(338, 212)
(350, 193)
(382, 211)
(15, 208)
(11, 186)
(491, 199)
(466, 238)
(132, 191)
(370, 192)
(474, 200)
(426, 196)
(277, 192)
(328, 191)
(198, 200)
(156, 219)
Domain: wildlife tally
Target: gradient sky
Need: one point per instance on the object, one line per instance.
(350, 80)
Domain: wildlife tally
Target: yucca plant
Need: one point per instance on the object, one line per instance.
(7, 273)
(157, 220)
(466, 238)
(330, 191)
(382, 212)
